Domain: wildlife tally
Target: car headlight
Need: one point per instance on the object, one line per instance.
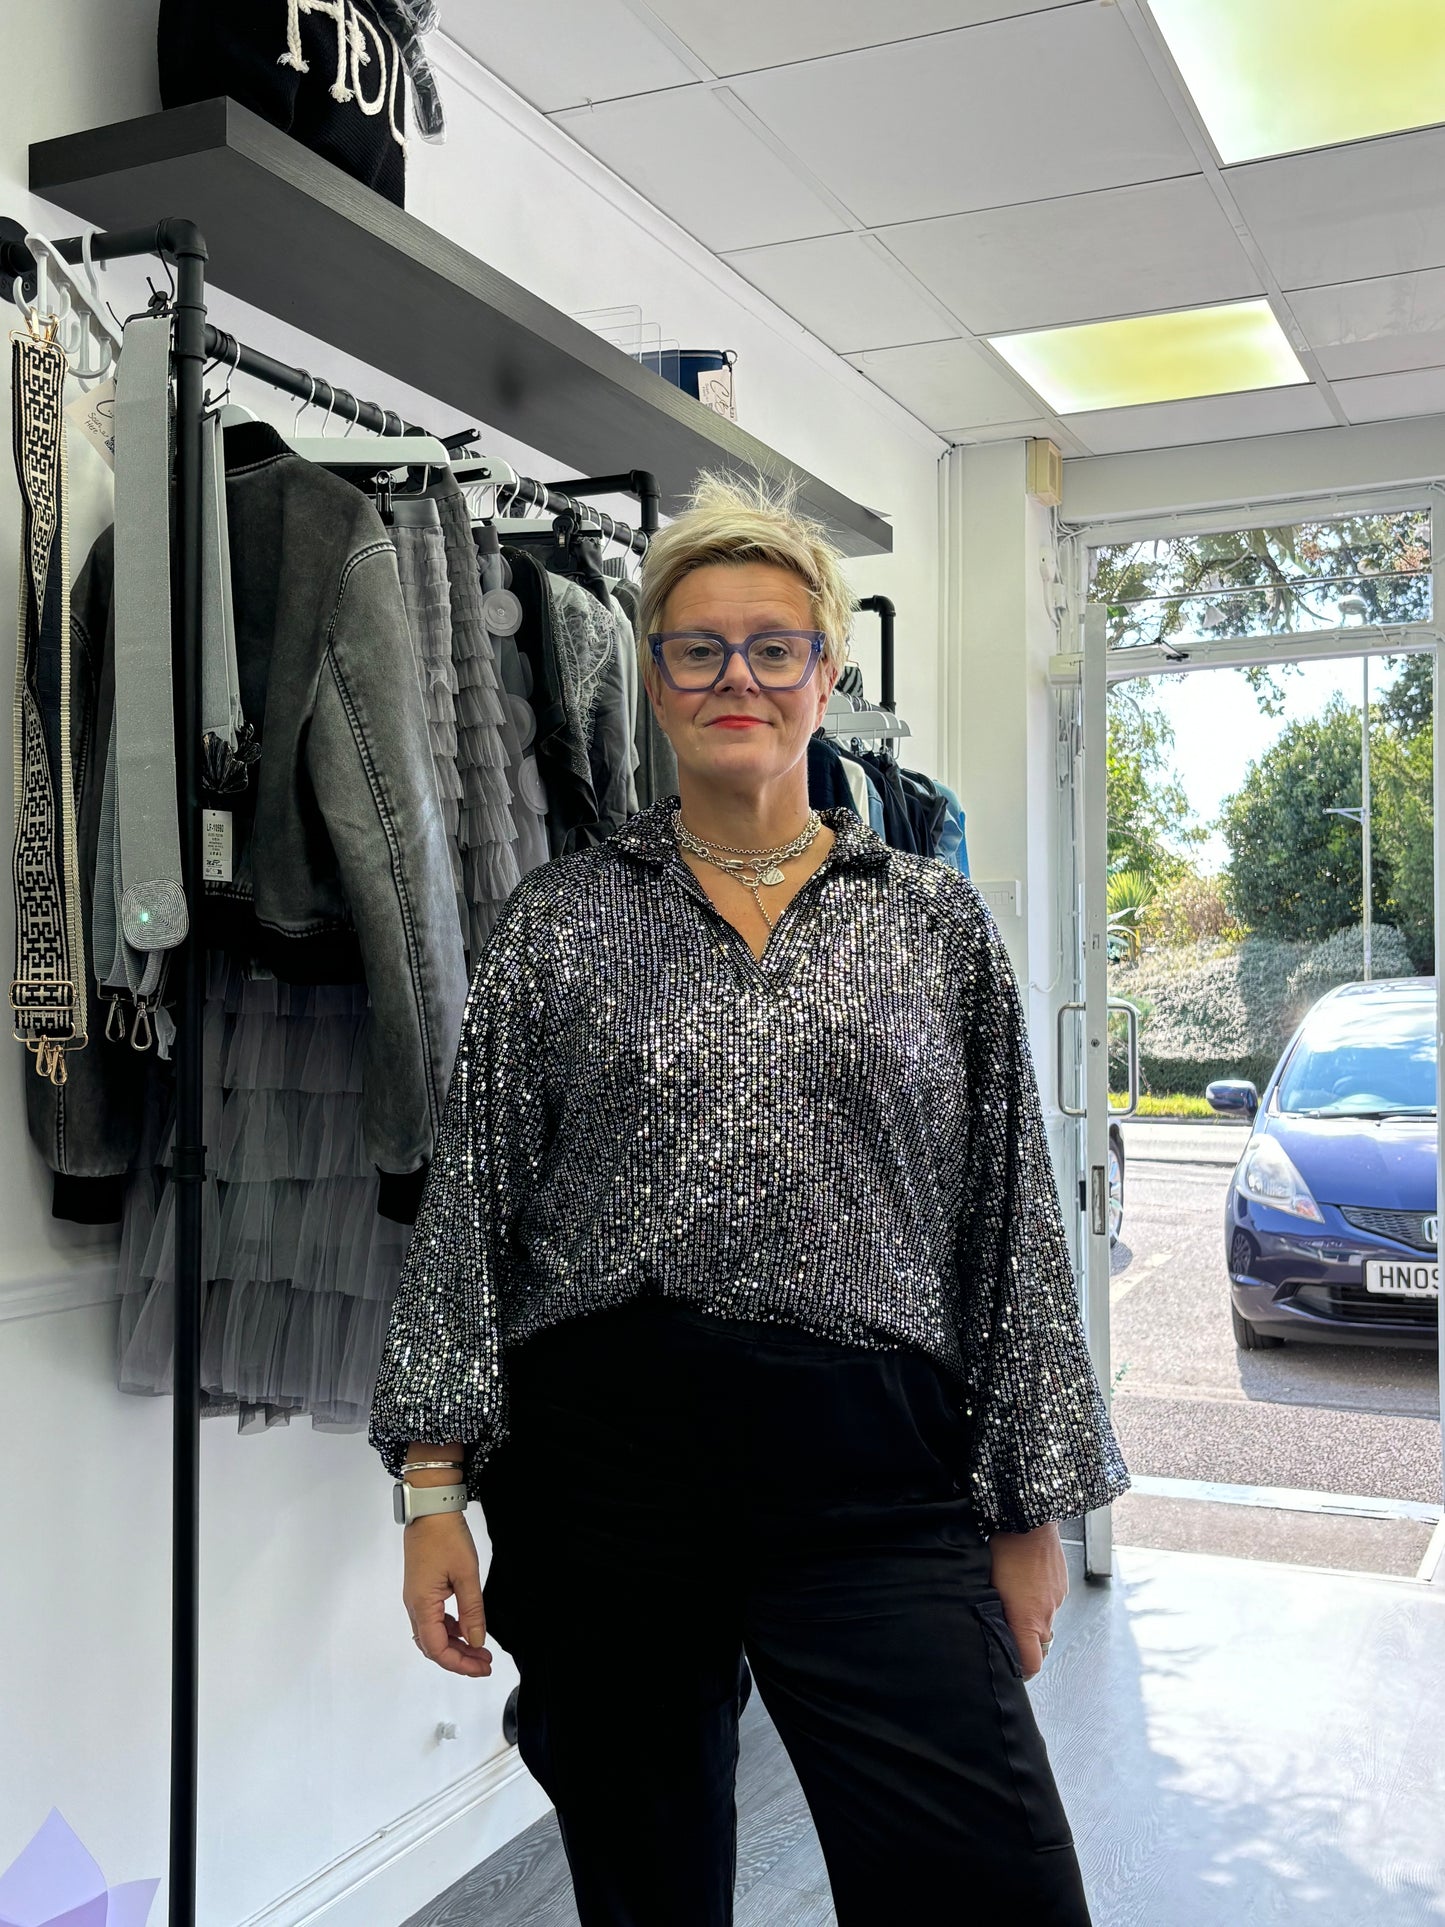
(1267, 1175)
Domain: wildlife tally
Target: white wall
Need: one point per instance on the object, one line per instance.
(1000, 726)
(319, 1769)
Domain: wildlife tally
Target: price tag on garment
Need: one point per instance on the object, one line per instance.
(715, 391)
(93, 414)
(216, 846)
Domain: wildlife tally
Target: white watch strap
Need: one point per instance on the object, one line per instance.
(415, 1502)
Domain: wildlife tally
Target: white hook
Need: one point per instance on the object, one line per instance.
(39, 314)
(303, 406)
(355, 418)
(89, 337)
(87, 261)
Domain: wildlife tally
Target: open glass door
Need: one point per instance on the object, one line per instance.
(1091, 1029)
(1084, 1033)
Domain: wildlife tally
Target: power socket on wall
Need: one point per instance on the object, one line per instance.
(1003, 899)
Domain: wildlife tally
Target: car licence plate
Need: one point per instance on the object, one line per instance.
(1402, 1280)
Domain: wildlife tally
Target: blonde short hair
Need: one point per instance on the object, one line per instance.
(731, 520)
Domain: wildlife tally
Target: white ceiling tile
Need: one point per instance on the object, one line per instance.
(948, 384)
(1375, 327)
(1210, 418)
(1342, 213)
(591, 50)
(1379, 398)
(1051, 103)
(845, 290)
(703, 166)
(761, 33)
(1127, 250)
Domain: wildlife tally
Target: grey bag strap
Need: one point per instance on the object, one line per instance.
(106, 945)
(118, 967)
(153, 916)
(220, 679)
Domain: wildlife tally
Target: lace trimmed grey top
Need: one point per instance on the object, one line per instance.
(844, 1137)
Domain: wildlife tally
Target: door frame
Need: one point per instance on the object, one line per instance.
(1081, 679)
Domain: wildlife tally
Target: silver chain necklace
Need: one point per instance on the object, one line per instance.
(750, 867)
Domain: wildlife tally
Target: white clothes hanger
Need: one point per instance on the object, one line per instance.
(339, 451)
(491, 469)
(840, 718)
(477, 472)
(84, 329)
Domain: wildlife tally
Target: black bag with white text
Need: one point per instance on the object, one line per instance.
(327, 72)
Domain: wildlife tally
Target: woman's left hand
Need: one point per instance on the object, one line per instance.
(1030, 1574)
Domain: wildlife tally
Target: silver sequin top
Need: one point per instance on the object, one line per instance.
(845, 1137)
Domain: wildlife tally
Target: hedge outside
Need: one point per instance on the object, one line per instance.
(1209, 1011)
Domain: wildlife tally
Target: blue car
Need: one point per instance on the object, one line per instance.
(1330, 1226)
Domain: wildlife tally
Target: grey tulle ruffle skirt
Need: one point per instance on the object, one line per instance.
(300, 1271)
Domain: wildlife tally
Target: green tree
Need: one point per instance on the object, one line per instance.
(1192, 908)
(1149, 815)
(1293, 870)
(1409, 703)
(1401, 785)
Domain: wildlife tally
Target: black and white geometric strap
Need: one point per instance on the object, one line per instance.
(47, 991)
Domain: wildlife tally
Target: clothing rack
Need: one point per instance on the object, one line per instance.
(181, 245)
(565, 498)
(551, 497)
(880, 606)
(840, 718)
(195, 345)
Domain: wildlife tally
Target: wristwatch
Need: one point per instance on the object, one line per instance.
(415, 1502)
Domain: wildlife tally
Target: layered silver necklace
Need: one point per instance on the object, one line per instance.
(750, 867)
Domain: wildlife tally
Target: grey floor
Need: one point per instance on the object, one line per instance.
(1237, 1741)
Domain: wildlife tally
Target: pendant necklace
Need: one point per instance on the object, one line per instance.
(750, 867)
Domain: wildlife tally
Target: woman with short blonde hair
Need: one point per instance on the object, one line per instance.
(739, 1296)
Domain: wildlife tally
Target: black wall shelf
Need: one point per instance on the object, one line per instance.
(298, 239)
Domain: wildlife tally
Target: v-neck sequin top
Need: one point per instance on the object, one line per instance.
(843, 1136)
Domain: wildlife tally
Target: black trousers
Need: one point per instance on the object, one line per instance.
(688, 1503)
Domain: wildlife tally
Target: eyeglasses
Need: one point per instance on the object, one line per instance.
(693, 659)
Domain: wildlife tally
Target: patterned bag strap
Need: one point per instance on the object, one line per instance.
(47, 991)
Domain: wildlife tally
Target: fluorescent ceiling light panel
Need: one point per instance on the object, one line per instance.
(1275, 76)
(1154, 357)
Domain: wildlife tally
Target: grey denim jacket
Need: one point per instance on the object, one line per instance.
(341, 865)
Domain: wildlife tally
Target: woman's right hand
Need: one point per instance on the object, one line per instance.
(441, 1561)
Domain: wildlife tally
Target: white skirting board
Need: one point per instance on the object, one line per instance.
(394, 1873)
(90, 1280)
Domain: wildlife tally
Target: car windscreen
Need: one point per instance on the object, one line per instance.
(1363, 1056)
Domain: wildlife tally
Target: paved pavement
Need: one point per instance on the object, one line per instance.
(1189, 1405)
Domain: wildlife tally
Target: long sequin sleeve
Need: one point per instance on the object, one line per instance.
(1044, 1446)
(442, 1373)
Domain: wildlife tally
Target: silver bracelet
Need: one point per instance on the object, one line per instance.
(433, 1465)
